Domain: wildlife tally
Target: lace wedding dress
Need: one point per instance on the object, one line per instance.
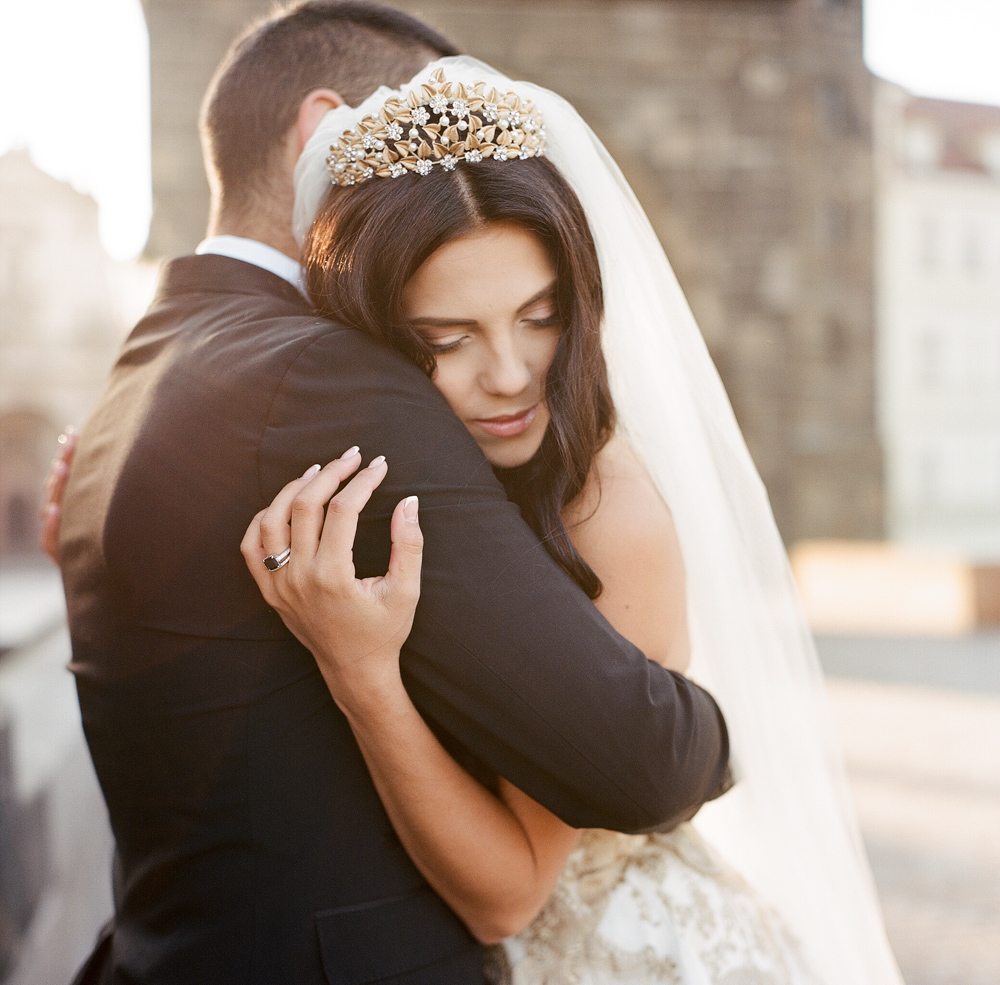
(645, 909)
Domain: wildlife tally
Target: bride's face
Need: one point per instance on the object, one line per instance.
(486, 304)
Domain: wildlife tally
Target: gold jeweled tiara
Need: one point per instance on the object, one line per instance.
(440, 123)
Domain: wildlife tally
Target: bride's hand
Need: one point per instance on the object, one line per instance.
(353, 627)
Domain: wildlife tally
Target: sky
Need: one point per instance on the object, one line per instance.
(75, 81)
(947, 49)
(74, 74)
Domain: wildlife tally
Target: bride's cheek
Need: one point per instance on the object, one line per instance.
(441, 377)
(551, 345)
(453, 384)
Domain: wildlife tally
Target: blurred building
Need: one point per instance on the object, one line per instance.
(938, 263)
(744, 127)
(64, 307)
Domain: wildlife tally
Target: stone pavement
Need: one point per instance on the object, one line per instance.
(924, 766)
(59, 879)
(31, 601)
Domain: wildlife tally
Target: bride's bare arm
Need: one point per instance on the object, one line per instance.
(625, 532)
(493, 858)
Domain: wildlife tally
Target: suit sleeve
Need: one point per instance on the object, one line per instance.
(507, 658)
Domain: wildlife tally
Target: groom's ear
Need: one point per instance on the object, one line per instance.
(312, 109)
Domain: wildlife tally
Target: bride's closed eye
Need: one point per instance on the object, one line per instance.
(541, 311)
(445, 341)
(544, 321)
(450, 341)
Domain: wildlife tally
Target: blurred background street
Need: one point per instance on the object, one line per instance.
(920, 725)
(825, 178)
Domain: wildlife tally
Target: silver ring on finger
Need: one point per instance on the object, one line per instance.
(274, 561)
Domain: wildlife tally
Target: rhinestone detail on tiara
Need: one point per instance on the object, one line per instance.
(438, 123)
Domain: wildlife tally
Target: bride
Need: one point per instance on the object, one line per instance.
(477, 225)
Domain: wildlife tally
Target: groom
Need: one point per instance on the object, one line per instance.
(251, 844)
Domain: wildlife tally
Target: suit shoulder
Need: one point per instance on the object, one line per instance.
(327, 352)
(341, 376)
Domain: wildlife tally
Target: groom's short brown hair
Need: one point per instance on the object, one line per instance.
(351, 46)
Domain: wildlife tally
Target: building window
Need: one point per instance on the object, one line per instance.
(972, 253)
(834, 222)
(929, 479)
(922, 146)
(836, 342)
(989, 153)
(833, 106)
(931, 358)
(20, 534)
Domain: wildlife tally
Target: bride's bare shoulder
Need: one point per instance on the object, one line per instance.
(625, 532)
(619, 491)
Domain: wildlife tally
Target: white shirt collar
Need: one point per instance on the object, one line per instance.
(260, 255)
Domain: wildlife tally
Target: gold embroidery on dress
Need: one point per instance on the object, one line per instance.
(661, 909)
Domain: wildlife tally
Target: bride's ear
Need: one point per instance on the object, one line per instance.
(312, 109)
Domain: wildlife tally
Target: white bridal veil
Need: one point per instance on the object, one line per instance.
(788, 824)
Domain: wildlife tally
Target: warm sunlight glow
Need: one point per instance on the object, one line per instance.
(945, 49)
(75, 78)
(76, 83)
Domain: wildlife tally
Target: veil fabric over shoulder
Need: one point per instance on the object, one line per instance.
(788, 825)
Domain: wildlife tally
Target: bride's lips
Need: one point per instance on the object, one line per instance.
(508, 425)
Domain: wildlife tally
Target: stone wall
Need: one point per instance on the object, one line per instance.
(187, 39)
(744, 126)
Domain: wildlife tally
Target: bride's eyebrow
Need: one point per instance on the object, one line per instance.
(546, 293)
(442, 322)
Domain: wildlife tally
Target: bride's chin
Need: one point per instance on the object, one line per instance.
(509, 453)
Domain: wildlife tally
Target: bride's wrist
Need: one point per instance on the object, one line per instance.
(366, 690)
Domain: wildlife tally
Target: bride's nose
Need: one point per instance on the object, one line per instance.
(506, 371)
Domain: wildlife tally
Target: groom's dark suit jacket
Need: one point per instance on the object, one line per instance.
(251, 845)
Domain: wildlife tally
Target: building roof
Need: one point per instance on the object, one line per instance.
(953, 136)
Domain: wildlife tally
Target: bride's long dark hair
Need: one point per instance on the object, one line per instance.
(369, 240)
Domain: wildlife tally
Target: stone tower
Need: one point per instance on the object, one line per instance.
(745, 129)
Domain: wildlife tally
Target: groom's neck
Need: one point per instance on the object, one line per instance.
(281, 240)
(267, 220)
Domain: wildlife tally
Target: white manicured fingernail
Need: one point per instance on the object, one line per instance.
(351, 452)
(410, 506)
(376, 462)
(310, 472)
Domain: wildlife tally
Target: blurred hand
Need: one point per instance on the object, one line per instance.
(55, 487)
(354, 628)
